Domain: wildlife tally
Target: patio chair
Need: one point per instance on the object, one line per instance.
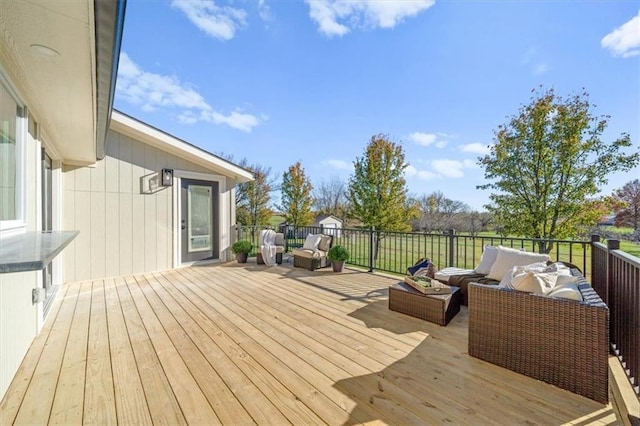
(277, 246)
(313, 254)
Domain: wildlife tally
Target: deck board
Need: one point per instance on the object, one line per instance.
(247, 344)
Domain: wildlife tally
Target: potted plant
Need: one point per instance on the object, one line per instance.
(338, 255)
(241, 249)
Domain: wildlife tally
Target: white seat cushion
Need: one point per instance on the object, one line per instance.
(443, 274)
(309, 254)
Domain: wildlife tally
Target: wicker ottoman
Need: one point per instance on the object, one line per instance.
(439, 309)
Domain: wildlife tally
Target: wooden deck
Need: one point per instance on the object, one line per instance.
(248, 344)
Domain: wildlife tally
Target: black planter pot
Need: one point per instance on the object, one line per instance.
(241, 257)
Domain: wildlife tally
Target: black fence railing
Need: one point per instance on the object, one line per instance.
(394, 251)
(616, 278)
(614, 274)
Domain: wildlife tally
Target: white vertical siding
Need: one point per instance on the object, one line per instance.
(18, 322)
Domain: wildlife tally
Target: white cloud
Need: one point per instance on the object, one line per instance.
(338, 17)
(452, 168)
(339, 164)
(428, 139)
(264, 10)
(220, 22)
(476, 148)
(427, 175)
(531, 58)
(152, 91)
(412, 171)
(540, 68)
(625, 40)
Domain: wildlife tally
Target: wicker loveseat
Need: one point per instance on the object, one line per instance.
(559, 341)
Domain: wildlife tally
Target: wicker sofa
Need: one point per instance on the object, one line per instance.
(559, 341)
(313, 259)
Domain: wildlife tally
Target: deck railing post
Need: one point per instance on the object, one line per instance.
(371, 249)
(451, 233)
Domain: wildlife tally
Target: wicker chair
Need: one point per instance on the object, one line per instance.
(314, 259)
(562, 342)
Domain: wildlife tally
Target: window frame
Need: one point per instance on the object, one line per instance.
(20, 221)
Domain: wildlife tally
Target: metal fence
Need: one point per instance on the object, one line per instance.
(616, 278)
(394, 251)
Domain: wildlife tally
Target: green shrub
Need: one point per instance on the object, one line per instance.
(338, 253)
(242, 246)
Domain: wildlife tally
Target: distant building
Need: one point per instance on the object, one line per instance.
(608, 220)
(330, 224)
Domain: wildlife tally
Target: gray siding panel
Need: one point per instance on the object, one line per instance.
(124, 217)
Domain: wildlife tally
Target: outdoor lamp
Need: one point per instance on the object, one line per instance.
(167, 177)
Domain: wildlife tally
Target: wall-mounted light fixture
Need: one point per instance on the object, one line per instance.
(167, 177)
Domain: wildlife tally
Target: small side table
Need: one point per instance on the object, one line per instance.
(436, 308)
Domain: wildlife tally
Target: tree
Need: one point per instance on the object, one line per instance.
(439, 213)
(330, 197)
(629, 198)
(377, 189)
(546, 161)
(296, 196)
(252, 198)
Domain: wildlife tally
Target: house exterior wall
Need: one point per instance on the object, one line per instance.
(20, 320)
(126, 219)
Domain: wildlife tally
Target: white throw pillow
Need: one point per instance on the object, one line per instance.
(534, 267)
(534, 282)
(487, 259)
(508, 258)
(312, 241)
(566, 291)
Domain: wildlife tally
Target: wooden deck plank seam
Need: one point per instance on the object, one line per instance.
(406, 416)
(178, 346)
(191, 310)
(246, 341)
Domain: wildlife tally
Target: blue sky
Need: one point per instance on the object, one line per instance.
(281, 81)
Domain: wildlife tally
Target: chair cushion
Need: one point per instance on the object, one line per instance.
(312, 241)
(443, 274)
(325, 242)
(309, 254)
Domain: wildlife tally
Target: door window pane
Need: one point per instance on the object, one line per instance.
(199, 223)
(8, 156)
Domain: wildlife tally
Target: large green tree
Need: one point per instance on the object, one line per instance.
(252, 198)
(377, 190)
(547, 161)
(296, 196)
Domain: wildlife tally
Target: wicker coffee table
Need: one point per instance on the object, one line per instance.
(439, 309)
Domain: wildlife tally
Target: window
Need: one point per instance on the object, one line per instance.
(11, 145)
